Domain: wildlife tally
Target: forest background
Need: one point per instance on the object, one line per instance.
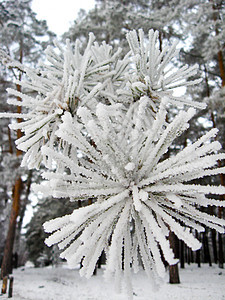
(198, 25)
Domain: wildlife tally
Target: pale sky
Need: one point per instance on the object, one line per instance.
(60, 14)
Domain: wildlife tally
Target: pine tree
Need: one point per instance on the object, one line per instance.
(202, 21)
(20, 33)
(110, 20)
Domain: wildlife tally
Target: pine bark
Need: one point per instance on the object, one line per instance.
(220, 256)
(182, 260)
(198, 252)
(6, 267)
(188, 256)
(207, 256)
(23, 209)
(173, 269)
(10, 293)
(221, 66)
(214, 246)
(4, 285)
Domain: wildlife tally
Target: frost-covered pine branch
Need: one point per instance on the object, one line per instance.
(69, 79)
(9, 62)
(100, 120)
(132, 184)
(154, 74)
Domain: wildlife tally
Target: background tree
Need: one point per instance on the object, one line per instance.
(110, 20)
(202, 23)
(22, 38)
(46, 209)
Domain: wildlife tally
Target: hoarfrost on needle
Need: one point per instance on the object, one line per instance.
(131, 185)
(102, 119)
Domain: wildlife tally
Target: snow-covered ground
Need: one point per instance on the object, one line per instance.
(61, 283)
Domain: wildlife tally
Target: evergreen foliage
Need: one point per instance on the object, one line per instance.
(99, 124)
(110, 20)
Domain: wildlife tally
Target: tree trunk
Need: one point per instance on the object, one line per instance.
(198, 253)
(174, 274)
(188, 256)
(10, 293)
(182, 248)
(214, 240)
(214, 245)
(220, 256)
(173, 270)
(221, 66)
(23, 209)
(222, 176)
(6, 267)
(191, 256)
(220, 236)
(207, 257)
(219, 54)
(4, 285)
(198, 258)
